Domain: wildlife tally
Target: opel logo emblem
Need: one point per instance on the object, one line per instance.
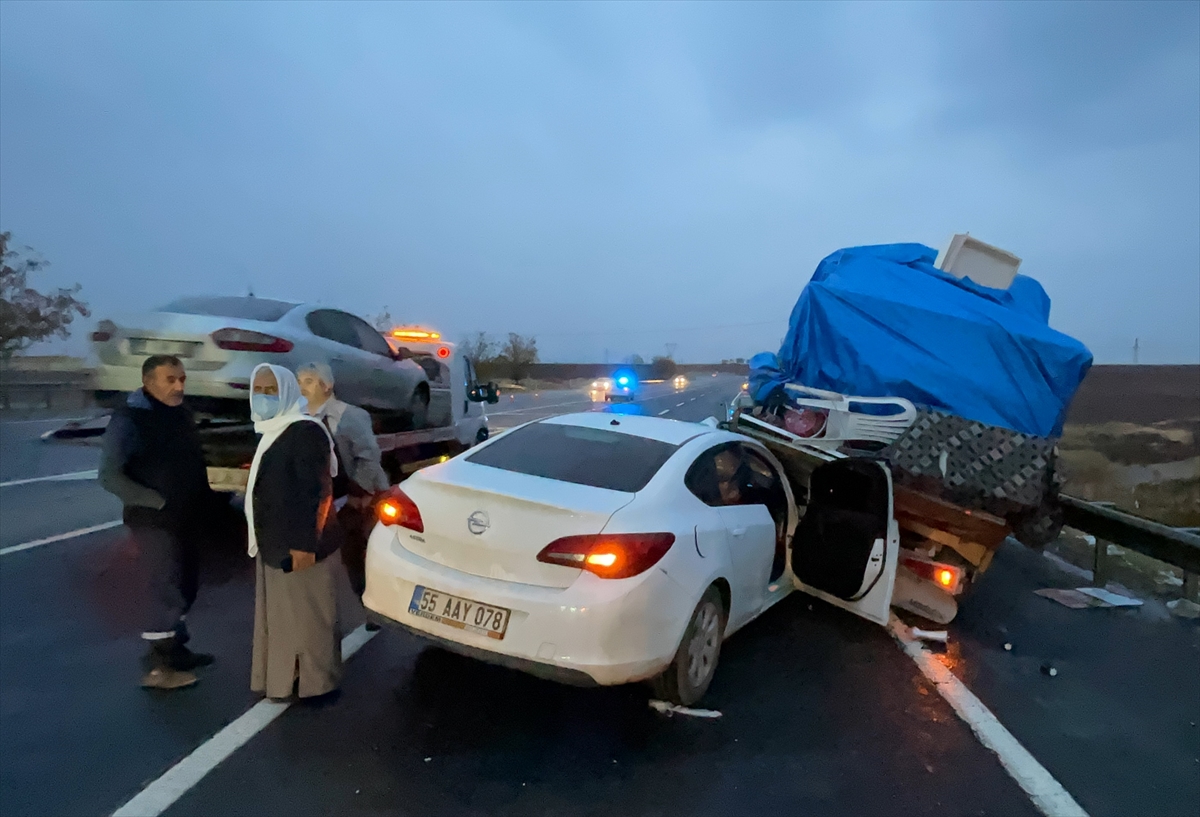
(478, 522)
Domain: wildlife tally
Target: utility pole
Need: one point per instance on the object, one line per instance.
(1135, 351)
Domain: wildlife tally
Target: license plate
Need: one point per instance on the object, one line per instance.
(454, 611)
(148, 346)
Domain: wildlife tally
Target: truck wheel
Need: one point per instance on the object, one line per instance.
(687, 678)
(419, 409)
(481, 436)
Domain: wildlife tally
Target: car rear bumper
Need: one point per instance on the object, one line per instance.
(550, 672)
(229, 382)
(611, 631)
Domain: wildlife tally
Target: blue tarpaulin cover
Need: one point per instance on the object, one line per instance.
(883, 321)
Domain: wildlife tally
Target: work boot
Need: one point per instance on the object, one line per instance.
(167, 678)
(181, 658)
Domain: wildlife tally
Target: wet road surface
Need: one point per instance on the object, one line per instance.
(822, 713)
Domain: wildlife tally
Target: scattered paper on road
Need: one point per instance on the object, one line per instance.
(1110, 599)
(673, 709)
(929, 635)
(1067, 598)
(1082, 597)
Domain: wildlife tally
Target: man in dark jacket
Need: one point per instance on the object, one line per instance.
(152, 461)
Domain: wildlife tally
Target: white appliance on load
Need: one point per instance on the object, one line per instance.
(967, 257)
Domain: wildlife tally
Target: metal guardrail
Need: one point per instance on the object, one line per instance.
(1176, 546)
(49, 389)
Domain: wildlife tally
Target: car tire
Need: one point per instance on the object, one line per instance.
(687, 678)
(418, 411)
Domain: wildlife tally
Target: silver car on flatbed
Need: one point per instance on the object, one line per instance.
(221, 339)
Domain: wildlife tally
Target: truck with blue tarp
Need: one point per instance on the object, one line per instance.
(899, 353)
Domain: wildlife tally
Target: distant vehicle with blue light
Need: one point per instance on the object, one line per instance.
(624, 387)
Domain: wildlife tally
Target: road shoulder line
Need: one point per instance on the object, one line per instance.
(72, 476)
(165, 790)
(1047, 794)
(49, 540)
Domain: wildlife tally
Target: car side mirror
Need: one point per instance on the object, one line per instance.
(489, 393)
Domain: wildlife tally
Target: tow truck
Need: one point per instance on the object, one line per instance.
(456, 421)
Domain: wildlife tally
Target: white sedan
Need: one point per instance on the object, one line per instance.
(601, 549)
(222, 339)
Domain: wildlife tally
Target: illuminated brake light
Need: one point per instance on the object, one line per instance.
(244, 340)
(945, 578)
(399, 509)
(609, 556)
(443, 352)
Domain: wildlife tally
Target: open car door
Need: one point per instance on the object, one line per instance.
(847, 544)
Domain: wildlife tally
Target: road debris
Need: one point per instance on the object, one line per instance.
(1110, 599)
(1083, 597)
(1184, 608)
(673, 709)
(1049, 670)
(1007, 646)
(940, 636)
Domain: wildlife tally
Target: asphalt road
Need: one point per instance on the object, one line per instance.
(822, 712)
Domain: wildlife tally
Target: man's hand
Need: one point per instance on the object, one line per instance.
(302, 559)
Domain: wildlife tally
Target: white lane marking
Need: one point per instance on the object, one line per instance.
(538, 408)
(74, 475)
(176, 781)
(63, 420)
(677, 405)
(664, 411)
(1047, 794)
(49, 540)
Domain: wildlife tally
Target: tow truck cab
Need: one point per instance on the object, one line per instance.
(456, 396)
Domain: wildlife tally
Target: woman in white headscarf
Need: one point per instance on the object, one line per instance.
(292, 532)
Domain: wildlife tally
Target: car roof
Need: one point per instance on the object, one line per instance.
(673, 432)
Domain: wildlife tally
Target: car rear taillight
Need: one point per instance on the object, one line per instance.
(947, 577)
(244, 340)
(609, 556)
(399, 509)
(104, 332)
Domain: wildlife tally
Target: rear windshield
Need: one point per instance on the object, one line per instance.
(584, 456)
(250, 309)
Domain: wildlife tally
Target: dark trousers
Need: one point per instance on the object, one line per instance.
(171, 570)
(356, 524)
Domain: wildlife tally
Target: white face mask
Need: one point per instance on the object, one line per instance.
(264, 406)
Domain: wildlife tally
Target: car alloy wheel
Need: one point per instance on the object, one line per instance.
(687, 677)
(705, 645)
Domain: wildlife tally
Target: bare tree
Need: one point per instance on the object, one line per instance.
(26, 315)
(663, 368)
(383, 321)
(479, 347)
(519, 353)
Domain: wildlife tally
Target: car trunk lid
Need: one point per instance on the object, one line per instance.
(493, 523)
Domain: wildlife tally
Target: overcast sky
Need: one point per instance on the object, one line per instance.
(608, 177)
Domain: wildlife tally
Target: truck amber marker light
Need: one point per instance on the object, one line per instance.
(416, 334)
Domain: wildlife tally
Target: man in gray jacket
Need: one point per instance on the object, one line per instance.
(359, 459)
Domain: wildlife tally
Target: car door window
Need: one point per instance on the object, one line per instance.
(332, 325)
(710, 477)
(369, 338)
